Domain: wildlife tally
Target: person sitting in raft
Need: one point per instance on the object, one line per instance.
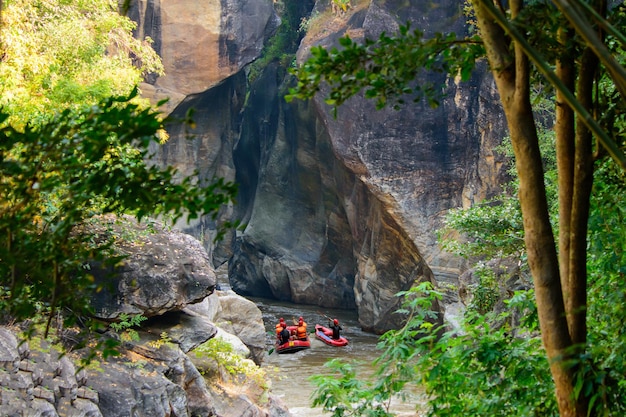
(284, 336)
(336, 328)
(301, 329)
(280, 326)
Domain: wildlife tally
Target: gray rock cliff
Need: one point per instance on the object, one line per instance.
(342, 212)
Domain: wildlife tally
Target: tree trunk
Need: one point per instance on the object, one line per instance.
(565, 153)
(512, 77)
(583, 181)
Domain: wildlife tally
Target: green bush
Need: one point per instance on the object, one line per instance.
(476, 371)
(230, 361)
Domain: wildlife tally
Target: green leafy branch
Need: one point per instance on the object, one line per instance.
(57, 175)
(125, 326)
(383, 75)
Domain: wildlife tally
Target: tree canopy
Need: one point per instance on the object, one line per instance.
(58, 54)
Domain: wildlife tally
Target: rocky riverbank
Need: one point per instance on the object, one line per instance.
(196, 353)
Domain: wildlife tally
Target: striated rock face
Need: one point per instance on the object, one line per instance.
(343, 212)
(418, 161)
(297, 244)
(201, 43)
(207, 149)
(316, 233)
(37, 381)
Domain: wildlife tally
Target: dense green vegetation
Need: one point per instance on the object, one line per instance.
(282, 46)
(473, 371)
(59, 54)
(74, 143)
(566, 216)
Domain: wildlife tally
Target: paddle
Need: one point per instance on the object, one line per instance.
(322, 314)
(330, 319)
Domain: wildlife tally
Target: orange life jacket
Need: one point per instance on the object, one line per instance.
(301, 332)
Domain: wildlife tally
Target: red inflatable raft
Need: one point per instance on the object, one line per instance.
(326, 335)
(294, 345)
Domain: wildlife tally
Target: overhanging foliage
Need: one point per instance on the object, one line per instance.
(55, 176)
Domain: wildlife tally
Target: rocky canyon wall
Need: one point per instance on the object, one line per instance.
(420, 161)
(201, 43)
(337, 212)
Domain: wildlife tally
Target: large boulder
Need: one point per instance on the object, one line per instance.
(163, 270)
(241, 317)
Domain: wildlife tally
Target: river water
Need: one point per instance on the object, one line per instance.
(289, 372)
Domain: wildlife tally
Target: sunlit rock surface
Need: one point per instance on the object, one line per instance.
(201, 43)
